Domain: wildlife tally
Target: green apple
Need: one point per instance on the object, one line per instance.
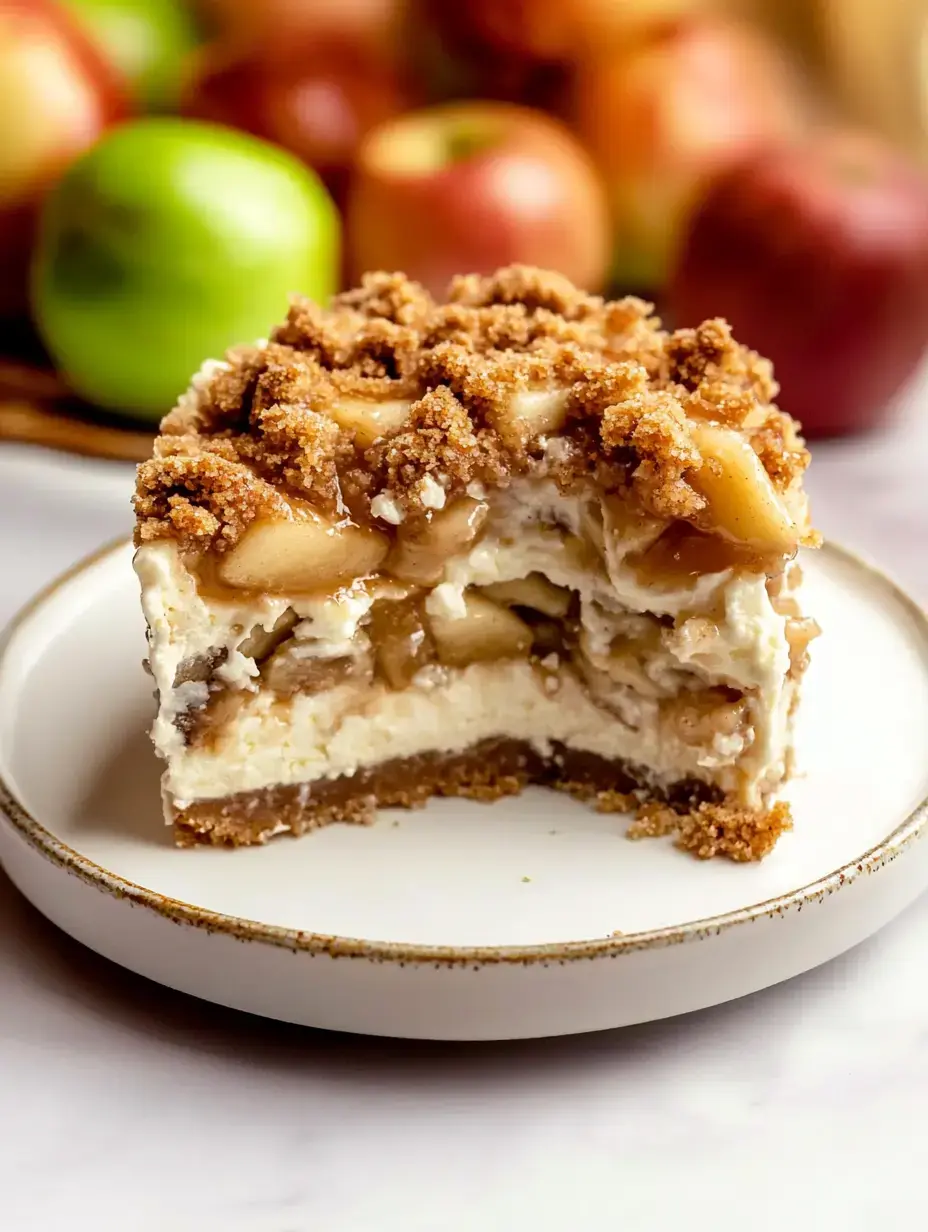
(165, 244)
(147, 41)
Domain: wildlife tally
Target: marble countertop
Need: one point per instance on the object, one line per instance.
(124, 1105)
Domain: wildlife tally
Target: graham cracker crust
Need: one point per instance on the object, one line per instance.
(705, 825)
(487, 771)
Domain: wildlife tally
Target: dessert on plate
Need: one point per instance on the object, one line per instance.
(406, 548)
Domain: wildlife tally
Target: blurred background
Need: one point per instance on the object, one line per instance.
(170, 170)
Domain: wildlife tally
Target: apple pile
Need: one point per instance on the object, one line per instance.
(660, 147)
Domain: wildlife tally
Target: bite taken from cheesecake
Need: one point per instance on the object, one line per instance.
(407, 548)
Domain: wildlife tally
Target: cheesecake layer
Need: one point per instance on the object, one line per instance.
(338, 732)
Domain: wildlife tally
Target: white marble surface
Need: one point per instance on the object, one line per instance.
(125, 1106)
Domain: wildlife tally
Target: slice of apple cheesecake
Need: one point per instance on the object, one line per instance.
(406, 549)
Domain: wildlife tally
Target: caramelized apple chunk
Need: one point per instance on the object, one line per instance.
(581, 555)
(294, 668)
(310, 554)
(625, 662)
(261, 641)
(549, 637)
(402, 643)
(533, 591)
(530, 413)
(743, 504)
(700, 717)
(592, 526)
(422, 546)
(485, 632)
(635, 529)
(682, 553)
(800, 632)
(369, 420)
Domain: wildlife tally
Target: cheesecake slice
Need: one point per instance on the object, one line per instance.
(408, 548)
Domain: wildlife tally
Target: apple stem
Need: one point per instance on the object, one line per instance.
(464, 142)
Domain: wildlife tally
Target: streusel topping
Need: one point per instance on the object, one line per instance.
(266, 430)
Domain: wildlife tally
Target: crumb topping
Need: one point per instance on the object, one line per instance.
(653, 427)
(441, 438)
(201, 498)
(262, 430)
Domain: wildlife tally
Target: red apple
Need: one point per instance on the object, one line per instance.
(56, 96)
(664, 113)
(454, 58)
(469, 187)
(557, 29)
(818, 257)
(372, 24)
(521, 51)
(314, 98)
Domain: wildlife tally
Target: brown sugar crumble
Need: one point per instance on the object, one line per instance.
(254, 436)
(709, 830)
(706, 829)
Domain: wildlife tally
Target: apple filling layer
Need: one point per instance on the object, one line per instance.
(519, 618)
(526, 536)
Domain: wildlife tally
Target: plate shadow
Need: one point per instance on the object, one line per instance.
(124, 796)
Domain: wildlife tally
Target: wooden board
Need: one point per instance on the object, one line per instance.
(37, 408)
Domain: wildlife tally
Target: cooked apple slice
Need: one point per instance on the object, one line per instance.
(550, 637)
(698, 718)
(312, 553)
(534, 591)
(800, 632)
(370, 420)
(486, 632)
(683, 553)
(592, 526)
(261, 641)
(531, 413)
(292, 670)
(422, 546)
(743, 504)
(401, 641)
(624, 665)
(581, 554)
(628, 527)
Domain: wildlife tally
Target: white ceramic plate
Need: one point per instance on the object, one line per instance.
(463, 921)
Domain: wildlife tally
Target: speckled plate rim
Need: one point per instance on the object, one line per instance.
(42, 839)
